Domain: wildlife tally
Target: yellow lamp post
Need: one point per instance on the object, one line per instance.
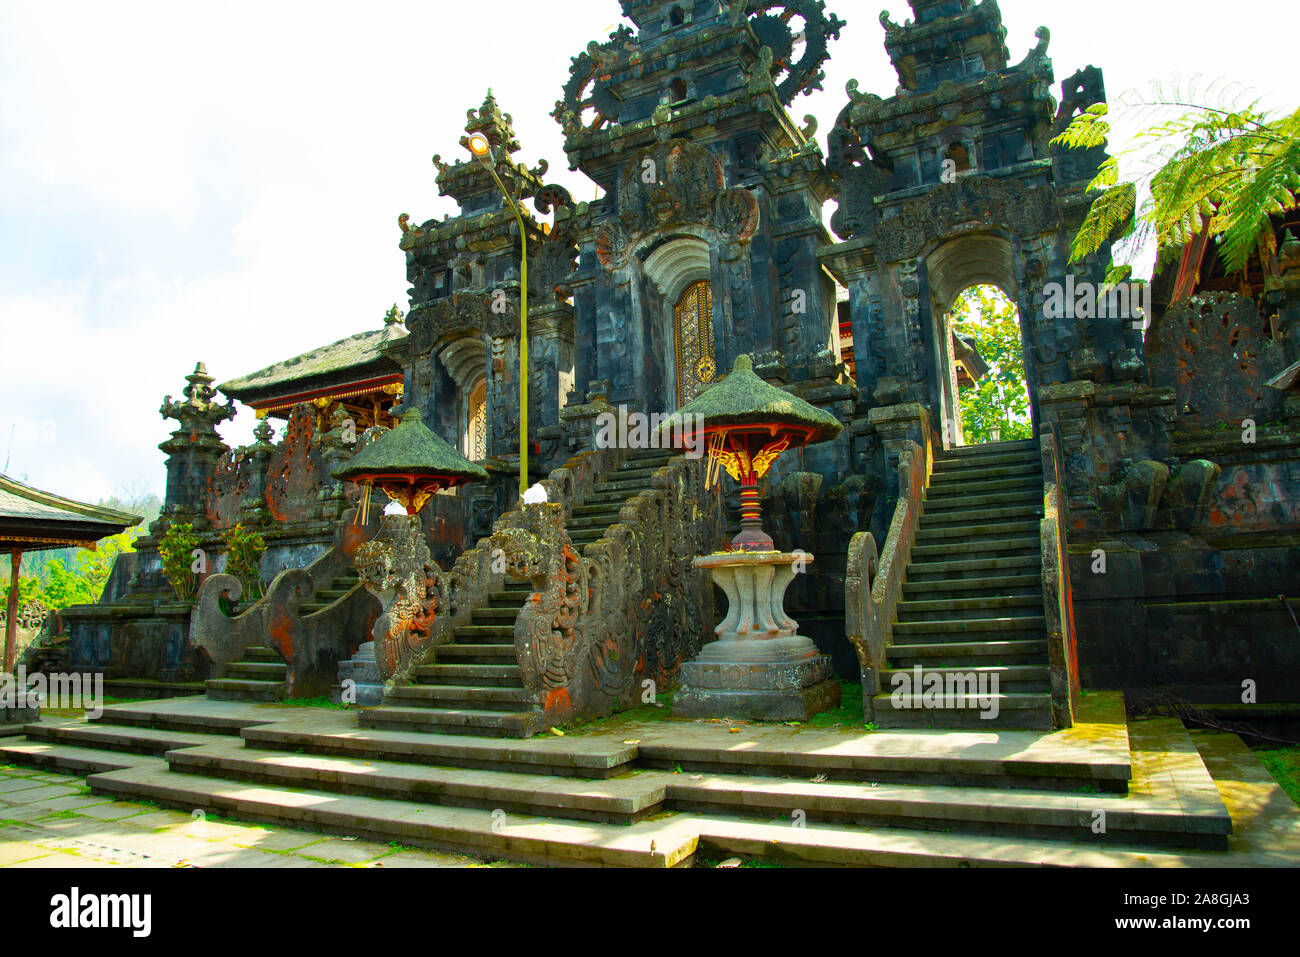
(482, 150)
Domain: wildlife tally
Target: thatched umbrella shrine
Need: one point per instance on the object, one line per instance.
(760, 666)
(409, 464)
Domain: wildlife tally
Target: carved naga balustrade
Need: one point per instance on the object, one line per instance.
(627, 609)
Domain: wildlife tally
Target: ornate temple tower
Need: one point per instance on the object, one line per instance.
(953, 182)
(704, 246)
(462, 356)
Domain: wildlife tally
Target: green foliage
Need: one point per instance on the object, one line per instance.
(997, 408)
(1224, 169)
(244, 551)
(1284, 765)
(177, 549)
(59, 587)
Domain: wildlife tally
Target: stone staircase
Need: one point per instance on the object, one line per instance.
(972, 607)
(261, 674)
(908, 798)
(600, 509)
(475, 688)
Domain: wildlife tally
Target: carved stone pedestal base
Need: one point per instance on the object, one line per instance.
(363, 670)
(760, 667)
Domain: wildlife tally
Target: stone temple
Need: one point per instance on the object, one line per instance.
(1138, 543)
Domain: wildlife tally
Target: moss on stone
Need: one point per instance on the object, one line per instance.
(742, 398)
(410, 449)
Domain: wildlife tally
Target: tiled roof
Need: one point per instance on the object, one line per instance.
(22, 506)
(352, 353)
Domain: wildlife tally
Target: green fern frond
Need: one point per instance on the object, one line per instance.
(1087, 130)
(1110, 213)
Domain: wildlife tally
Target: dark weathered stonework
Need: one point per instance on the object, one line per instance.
(1174, 441)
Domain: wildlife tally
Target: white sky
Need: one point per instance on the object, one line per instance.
(221, 182)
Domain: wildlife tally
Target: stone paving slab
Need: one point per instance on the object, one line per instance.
(94, 831)
(478, 831)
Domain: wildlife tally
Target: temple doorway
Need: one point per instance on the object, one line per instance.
(987, 379)
(693, 341)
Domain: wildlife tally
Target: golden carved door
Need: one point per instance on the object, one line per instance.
(693, 340)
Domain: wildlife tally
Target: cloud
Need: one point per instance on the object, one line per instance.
(222, 182)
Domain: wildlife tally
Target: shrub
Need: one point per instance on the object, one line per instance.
(177, 549)
(244, 550)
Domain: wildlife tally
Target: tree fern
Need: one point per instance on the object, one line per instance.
(1224, 169)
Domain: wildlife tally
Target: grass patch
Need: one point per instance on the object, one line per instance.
(60, 816)
(661, 710)
(322, 703)
(848, 714)
(1284, 765)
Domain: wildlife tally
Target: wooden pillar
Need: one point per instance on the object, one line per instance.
(11, 614)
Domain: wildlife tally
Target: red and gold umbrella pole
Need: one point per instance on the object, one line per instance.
(748, 453)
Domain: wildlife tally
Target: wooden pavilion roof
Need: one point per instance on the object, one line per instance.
(33, 520)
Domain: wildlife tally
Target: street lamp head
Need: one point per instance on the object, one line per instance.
(481, 148)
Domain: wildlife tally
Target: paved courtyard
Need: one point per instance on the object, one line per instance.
(52, 820)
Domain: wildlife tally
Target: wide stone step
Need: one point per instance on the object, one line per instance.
(960, 463)
(515, 599)
(967, 810)
(944, 478)
(598, 512)
(970, 609)
(154, 742)
(260, 653)
(485, 634)
(972, 530)
(233, 689)
(71, 759)
(624, 800)
(452, 721)
(957, 628)
(956, 654)
(495, 616)
(946, 490)
(471, 675)
(1026, 712)
(919, 573)
(616, 491)
(940, 589)
(1014, 678)
(257, 670)
(982, 516)
(581, 527)
(575, 757)
(1031, 497)
(637, 473)
(458, 696)
(466, 830)
(985, 546)
(477, 654)
(993, 448)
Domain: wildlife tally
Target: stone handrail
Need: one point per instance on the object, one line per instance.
(311, 645)
(873, 581)
(630, 608)
(424, 605)
(1058, 604)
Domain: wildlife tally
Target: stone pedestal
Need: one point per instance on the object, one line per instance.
(364, 670)
(760, 667)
